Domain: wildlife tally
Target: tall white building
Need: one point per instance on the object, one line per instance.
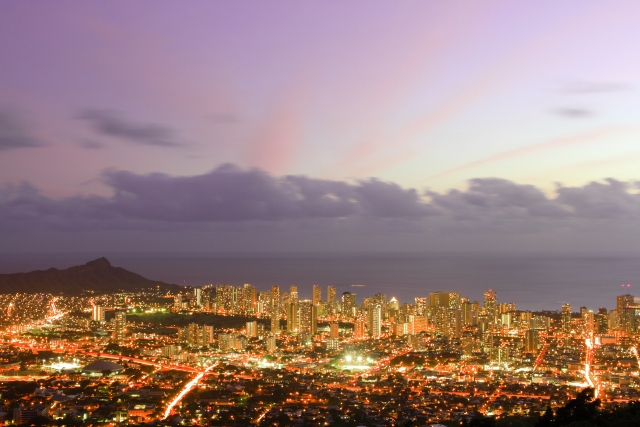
(120, 327)
(375, 320)
(98, 313)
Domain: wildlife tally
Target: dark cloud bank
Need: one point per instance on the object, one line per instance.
(248, 203)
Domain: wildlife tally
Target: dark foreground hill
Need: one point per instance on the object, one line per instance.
(98, 275)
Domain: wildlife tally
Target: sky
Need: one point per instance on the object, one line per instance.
(319, 126)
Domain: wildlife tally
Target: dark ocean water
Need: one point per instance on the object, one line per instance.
(534, 282)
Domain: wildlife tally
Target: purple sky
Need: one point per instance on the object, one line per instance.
(361, 125)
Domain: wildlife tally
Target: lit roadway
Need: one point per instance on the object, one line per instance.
(187, 388)
(184, 368)
(588, 359)
(541, 355)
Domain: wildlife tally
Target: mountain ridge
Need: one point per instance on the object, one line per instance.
(97, 275)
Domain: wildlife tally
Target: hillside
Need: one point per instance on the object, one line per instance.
(97, 275)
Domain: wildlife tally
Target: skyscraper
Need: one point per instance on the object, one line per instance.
(453, 322)
(602, 320)
(531, 341)
(490, 304)
(624, 301)
(332, 302)
(566, 318)
(197, 295)
(348, 304)
(316, 294)
(293, 294)
(275, 309)
(331, 294)
(308, 317)
(293, 317)
(588, 320)
(97, 314)
(360, 328)
(120, 326)
(439, 303)
(334, 330)
(252, 329)
(422, 303)
(375, 320)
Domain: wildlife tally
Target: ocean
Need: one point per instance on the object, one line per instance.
(532, 281)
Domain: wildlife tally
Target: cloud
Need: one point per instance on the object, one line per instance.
(92, 145)
(111, 124)
(223, 118)
(234, 200)
(581, 88)
(13, 134)
(573, 113)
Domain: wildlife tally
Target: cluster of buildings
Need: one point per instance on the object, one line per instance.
(317, 359)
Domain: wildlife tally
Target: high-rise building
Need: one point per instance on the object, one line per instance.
(360, 328)
(422, 304)
(275, 309)
(196, 335)
(225, 298)
(348, 304)
(627, 320)
(97, 314)
(308, 317)
(566, 318)
(252, 329)
(399, 329)
(316, 294)
(624, 301)
(626, 315)
(197, 296)
(588, 320)
(439, 303)
(333, 344)
(272, 344)
(416, 342)
(453, 323)
(469, 315)
(332, 301)
(248, 299)
(293, 294)
(264, 303)
(418, 324)
(540, 323)
(331, 294)
(120, 326)
(334, 330)
(602, 321)
(490, 304)
(444, 300)
(293, 317)
(531, 341)
(375, 321)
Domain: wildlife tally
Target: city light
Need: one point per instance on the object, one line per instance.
(187, 388)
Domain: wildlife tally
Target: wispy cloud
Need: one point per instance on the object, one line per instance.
(112, 124)
(13, 133)
(554, 144)
(594, 87)
(573, 113)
